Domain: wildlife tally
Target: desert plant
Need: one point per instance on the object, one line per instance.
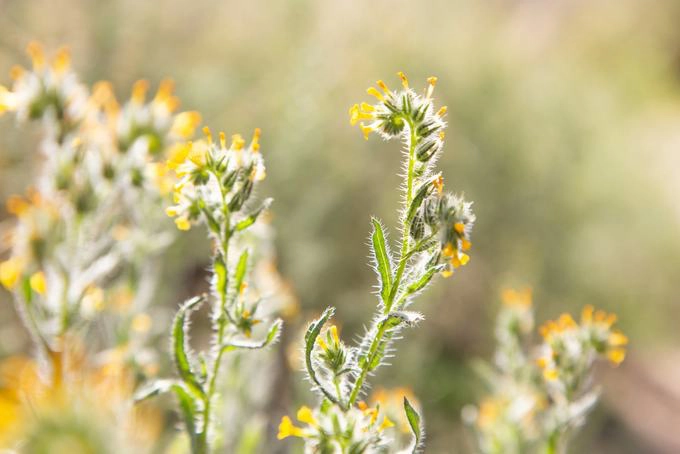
(435, 233)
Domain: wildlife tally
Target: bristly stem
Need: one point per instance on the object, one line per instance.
(403, 259)
(223, 238)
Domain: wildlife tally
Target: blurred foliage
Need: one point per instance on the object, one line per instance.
(563, 128)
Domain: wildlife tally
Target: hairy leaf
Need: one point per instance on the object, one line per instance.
(180, 345)
(383, 262)
(252, 217)
(414, 421)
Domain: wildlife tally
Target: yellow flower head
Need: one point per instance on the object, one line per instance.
(287, 429)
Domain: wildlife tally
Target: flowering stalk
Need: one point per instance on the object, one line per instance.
(215, 186)
(435, 233)
(541, 393)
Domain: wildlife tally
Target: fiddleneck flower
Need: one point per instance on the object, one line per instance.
(213, 176)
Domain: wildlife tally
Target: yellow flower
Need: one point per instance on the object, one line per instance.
(183, 223)
(616, 355)
(7, 100)
(387, 423)
(306, 416)
(185, 124)
(38, 283)
(287, 429)
(10, 272)
(517, 298)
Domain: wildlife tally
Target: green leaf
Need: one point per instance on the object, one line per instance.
(180, 346)
(189, 408)
(423, 191)
(272, 336)
(414, 421)
(425, 279)
(310, 339)
(252, 217)
(220, 269)
(383, 262)
(240, 272)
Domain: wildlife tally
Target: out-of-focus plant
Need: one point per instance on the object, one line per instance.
(215, 188)
(435, 233)
(85, 235)
(541, 393)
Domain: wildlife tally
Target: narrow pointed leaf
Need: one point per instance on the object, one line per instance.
(383, 263)
(189, 409)
(180, 345)
(414, 421)
(240, 272)
(252, 217)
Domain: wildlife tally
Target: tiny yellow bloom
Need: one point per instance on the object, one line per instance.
(383, 86)
(185, 123)
(386, 424)
(255, 142)
(617, 339)
(550, 374)
(587, 314)
(17, 205)
(35, 51)
(616, 355)
(439, 184)
(459, 227)
(237, 142)
(465, 244)
(62, 61)
(10, 272)
(139, 90)
(183, 223)
(306, 416)
(321, 343)
(447, 273)
(287, 429)
(448, 250)
(442, 111)
(366, 130)
(38, 283)
(404, 80)
(374, 92)
(334, 334)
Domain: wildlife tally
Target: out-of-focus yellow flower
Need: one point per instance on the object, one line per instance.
(288, 429)
(10, 272)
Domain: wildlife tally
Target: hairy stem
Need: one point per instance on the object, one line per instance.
(403, 259)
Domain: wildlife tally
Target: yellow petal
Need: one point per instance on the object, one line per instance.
(306, 416)
(38, 283)
(287, 429)
(404, 80)
(185, 123)
(617, 339)
(616, 355)
(183, 223)
(10, 271)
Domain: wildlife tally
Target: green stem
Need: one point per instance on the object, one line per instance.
(403, 259)
(223, 254)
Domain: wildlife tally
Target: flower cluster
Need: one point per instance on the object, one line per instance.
(327, 429)
(540, 393)
(569, 348)
(215, 180)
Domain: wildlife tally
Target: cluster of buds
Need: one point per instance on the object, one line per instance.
(360, 430)
(541, 392)
(215, 180)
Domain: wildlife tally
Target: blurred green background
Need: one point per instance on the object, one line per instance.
(564, 128)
